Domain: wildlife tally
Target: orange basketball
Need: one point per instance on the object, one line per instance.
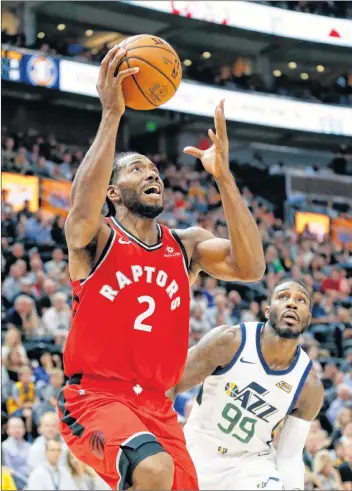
(159, 75)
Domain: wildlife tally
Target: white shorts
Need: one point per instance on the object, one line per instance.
(243, 474)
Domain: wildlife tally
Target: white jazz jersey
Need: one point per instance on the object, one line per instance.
(231, 427)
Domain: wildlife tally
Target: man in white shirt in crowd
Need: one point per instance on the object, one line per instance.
(58, 317)
(15, 450)
(50, 475)
(48, 429)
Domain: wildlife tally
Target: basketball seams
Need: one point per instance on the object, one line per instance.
(155, 68)
(169, 50)
(128, 41)
(138, 86)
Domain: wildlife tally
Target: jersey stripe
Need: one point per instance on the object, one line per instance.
(266, 367)
(226, 368)
(135, 239)
(300, 387)
(183, 250)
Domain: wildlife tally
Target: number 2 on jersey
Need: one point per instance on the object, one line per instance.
(234, 416)
(138, 323)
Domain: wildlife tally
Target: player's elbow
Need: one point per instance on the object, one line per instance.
(249, 273)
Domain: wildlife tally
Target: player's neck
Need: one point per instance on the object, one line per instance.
(279, 353)
(144, 229)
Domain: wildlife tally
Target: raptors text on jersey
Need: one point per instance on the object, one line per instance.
(130, 318)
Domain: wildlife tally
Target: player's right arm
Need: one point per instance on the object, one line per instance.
(88, 194)
(216, 349)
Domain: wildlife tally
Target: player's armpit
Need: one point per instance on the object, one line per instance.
(310, 399)
(82, 260)
(217, 348)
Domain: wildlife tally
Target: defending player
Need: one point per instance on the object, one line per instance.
(255, 376)
(130, 278)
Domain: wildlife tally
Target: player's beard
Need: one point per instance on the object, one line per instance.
(131, 200)
(284, 332)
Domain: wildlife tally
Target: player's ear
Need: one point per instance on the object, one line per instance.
(114, 193)
(267, 311)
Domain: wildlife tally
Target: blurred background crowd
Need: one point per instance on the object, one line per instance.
(36, 299)
(296, 183)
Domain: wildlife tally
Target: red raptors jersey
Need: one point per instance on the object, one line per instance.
(130, 318)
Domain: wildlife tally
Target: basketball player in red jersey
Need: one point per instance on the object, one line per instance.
(131, 292)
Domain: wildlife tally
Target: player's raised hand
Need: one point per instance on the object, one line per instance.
(109, 86)
(215, 159)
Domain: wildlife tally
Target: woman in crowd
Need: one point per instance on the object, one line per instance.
(323, 466)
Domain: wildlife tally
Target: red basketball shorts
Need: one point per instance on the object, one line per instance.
(100, 420)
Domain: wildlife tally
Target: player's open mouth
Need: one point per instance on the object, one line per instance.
(291, 317)
(153, 191)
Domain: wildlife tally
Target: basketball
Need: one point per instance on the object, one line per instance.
(159, 75)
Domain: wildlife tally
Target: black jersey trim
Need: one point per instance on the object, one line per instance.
(103, 255)
(138, 241)
(182, 247)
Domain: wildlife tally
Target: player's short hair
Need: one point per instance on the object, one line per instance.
(109, 208)
(290, 280)
(117, 165)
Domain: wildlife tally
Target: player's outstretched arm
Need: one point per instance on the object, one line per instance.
(217, 348)
(295, 432)
(241, 257)
(90, 185)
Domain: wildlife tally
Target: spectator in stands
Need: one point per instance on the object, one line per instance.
(9, 154)
(49, 289)
(14, 255)
(209, 290)
(198, 322)
(50, 393)
(13, 341)
(13, 363)
(24, 315)
(16, 450)
(344, 417)
(83, 477)
(219, 314)
(345, 469)
(23, 397)
(313, 354)
(344, 396)
(57, 318)
(323, 467)
(65, 167)
(48, 429)
(57, 265)
(42, 372)
(57, 231)
(38, 229)
(252, 314)
(49, 474)
(11, 287)
(22, 164)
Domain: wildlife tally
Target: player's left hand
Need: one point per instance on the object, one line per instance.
(215, 159)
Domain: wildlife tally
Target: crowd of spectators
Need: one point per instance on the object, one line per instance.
(36, 299)
(330, 90)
